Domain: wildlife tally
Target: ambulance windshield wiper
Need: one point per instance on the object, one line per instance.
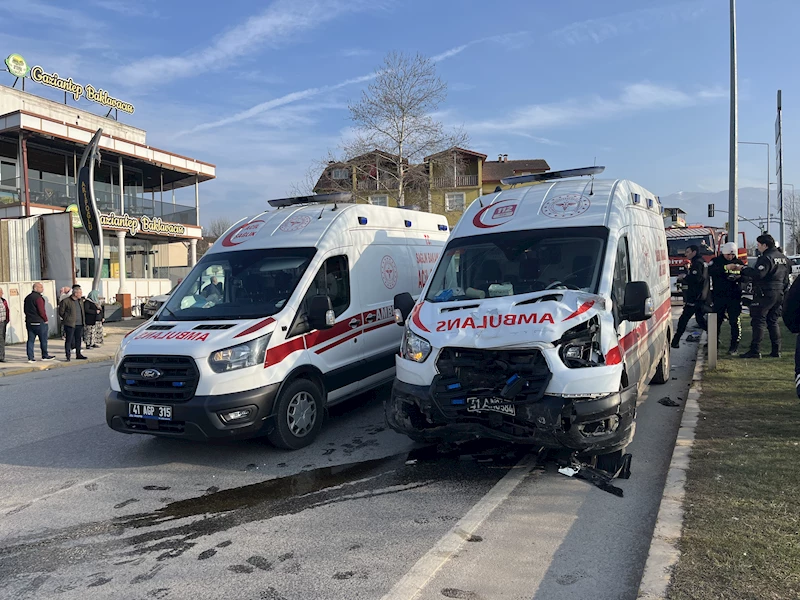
(174, 316)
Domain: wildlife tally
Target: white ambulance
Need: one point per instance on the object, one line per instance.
(547, 315)
(288, 313)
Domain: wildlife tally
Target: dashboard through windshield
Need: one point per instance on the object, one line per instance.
(245, 284)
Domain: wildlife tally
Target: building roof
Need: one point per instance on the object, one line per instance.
(457, 149)
(496, 170)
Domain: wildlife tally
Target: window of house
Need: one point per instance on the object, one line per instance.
(333, 280)
(454, 201)
(379, 200)
(622, 275)
(340, 174)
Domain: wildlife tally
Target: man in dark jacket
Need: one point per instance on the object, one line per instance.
(695, 294)
(791, 316)
(5, 318)
(36, 322)
(770, 280)
(73, 315)
(727, 292)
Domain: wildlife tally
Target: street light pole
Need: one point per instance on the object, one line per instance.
(733, 175)
(767, 146)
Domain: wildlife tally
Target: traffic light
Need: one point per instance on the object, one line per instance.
(710, 210)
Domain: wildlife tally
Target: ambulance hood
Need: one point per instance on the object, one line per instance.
(520, 321)
(197, 339)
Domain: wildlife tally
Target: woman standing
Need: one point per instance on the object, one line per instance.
(93, 331)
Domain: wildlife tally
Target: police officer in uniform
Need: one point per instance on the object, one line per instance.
(695, 293)
(727, 292)
(770, 280)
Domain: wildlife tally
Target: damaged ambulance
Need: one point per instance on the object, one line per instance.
(547, 315)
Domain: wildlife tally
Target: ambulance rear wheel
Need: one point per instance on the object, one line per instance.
(298, 415)
(662, 372)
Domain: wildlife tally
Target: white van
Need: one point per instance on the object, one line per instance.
(288, 313)
(547, 315)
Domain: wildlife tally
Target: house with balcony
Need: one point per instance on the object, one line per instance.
(445, 183)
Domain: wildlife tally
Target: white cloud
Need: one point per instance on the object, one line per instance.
(354, 52)
(281, 21)
(127, 8)
(36, 11)
(632, 22)
(636, 97)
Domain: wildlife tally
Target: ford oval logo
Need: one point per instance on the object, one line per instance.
(151, 373)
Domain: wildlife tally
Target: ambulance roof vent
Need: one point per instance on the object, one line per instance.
(566, 174)
(313, 199)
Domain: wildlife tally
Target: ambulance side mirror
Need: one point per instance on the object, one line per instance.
(403, 305)
(638, 305)
(320, 313)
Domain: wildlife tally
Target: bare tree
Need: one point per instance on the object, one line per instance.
(395, 128)
(217, 227)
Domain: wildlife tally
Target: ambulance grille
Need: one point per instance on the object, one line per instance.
(467, 372)
(176, 382)
(213, 326)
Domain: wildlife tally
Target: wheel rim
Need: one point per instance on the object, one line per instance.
(301, 414)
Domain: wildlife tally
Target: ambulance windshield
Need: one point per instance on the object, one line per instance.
(520, 262)
(246, 284)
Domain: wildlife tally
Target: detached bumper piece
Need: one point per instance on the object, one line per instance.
(480, 397)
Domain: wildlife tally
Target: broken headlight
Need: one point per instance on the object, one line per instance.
(414, 347)
(580, 346)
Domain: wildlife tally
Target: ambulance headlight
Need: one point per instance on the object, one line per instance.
(249, 354)
(414, 347)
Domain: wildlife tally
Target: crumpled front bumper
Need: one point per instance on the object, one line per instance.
(594, 426)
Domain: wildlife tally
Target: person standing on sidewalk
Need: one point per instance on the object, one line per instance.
(726, 292)
(770, 280)
(93, 330)
(5, 318)
(36, 322)
(73, 315)
(695, 294)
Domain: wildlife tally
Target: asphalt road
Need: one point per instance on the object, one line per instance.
(86, 512)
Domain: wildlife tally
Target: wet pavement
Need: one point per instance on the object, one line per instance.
(86, 512)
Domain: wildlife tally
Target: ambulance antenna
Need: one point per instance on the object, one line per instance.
(320, 213)
(591, 185)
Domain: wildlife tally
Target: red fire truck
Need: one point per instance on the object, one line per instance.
(707, 239)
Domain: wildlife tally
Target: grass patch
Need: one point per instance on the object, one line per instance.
(741, 535)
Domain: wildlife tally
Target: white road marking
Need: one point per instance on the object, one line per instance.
(423, 571)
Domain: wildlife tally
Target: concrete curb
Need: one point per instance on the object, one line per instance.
(54, 365)
(664, 552)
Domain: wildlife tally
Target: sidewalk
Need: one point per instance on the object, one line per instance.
(17, 361)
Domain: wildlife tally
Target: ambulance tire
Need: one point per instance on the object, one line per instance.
(662, 372)
(298, 415)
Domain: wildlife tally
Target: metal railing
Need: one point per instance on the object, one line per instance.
(62, 194)
(455, 182)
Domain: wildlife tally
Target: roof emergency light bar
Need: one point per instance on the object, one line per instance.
(566, 174)
(344, 197)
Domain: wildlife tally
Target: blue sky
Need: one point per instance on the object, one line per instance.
(261, 88)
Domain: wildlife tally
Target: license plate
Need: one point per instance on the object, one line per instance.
(150, 411)
(491, 405)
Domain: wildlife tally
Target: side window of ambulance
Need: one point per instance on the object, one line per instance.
(332, 279)
(622, 275)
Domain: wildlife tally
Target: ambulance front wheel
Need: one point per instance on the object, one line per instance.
(298, 415)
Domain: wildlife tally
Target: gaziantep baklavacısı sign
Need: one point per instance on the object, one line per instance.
(17, 66)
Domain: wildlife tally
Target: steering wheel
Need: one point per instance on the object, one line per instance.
(564, 285)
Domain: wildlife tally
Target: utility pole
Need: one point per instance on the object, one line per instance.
(733, 168)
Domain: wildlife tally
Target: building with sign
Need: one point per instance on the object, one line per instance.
(148, 198)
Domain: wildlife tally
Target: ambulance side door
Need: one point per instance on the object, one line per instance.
(335, 351)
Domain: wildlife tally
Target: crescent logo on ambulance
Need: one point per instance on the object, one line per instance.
(495, 215)
(243, 233)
